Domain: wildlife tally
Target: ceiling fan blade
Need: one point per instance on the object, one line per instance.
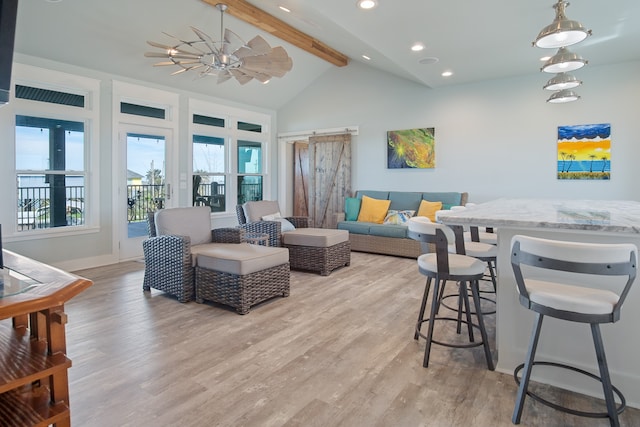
(223, 77)
(241, 77)
(176, 49)
(206, 39)
(256, 46)
(232, 42)
(277, 64)
(261, 77)
(166, 55)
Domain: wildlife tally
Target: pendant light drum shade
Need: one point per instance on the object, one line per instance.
(562, 96)
(562, 81)
(563, 61)
(561, 32)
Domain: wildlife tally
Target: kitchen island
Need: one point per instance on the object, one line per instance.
(596, 221)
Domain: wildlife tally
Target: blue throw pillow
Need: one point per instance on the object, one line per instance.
(351, 208)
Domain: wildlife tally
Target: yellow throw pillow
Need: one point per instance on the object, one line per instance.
(429, 209)
(373, 210)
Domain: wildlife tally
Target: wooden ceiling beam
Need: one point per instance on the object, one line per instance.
(274, 26)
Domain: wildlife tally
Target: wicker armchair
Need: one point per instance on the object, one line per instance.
(272, 228)
(310, 249)
(169, 263)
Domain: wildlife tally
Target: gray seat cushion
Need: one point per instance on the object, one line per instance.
(194, 222)
(317, 237)
(254, 211)
(241, 258)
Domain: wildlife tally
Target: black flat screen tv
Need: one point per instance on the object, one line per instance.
(8, 14)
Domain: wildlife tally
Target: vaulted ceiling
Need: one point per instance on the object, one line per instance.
(477, 41)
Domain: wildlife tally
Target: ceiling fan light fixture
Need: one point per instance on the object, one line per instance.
(225, 58)
(563, 96)
(563, 62)
(561, 32)
(562, 81)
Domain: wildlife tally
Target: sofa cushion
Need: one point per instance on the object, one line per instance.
(255, 210)
(241, 258)
(448, 199)
(404, 200)
(398, 217)
(194, 222)
(383, 195)
(351, 208)
(389, 230)
(317, 237)
(373, 210)
(429, 209)
(355, 227)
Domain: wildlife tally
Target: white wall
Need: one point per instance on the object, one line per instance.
(493, 139)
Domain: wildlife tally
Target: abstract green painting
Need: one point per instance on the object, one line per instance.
(411, 148)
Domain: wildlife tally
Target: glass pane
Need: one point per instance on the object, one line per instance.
(145, 180)
(50, 200)
(249, 188)
(208, 121)
(208, 154)
(209, 190)
(249, 157)
(251, 127)
(49, 144)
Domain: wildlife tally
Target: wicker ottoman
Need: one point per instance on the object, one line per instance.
(317, 249)
(241, 275)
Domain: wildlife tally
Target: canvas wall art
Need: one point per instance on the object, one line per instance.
(411, 148)
(584, 151)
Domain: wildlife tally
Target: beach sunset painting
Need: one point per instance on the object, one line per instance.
(584, 151)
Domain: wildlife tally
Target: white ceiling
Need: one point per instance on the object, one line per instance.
(476, 40)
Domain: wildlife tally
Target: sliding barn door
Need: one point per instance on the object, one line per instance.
(301, 178)
(329, 180)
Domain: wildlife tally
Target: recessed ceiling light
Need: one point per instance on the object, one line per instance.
(447, 74)
(367, 4)
(53, 1)
(417, 47)
(366, 57)
(284, 9)
(428, 60)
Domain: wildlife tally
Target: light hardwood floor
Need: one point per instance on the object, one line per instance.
(339, 351)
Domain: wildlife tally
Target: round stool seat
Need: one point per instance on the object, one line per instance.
(459, 265)
(576, 299)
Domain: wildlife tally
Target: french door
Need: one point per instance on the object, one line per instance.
(145, 183)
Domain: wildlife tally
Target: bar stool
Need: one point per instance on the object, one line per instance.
(443, 266)
(564, 299)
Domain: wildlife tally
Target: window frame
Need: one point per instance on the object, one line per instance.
(89, 88)
(231, 135)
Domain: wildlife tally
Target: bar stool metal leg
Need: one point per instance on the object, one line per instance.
(483, 330)
(528, 365)
(423, 306)
(604, 375)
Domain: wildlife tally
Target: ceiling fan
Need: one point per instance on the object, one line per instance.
(228, 57)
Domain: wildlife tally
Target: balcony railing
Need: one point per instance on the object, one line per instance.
(36, 209)
(142, 199)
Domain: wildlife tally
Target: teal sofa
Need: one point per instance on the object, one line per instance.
(391, 239)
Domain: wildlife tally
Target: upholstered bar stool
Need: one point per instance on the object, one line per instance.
(443, 266)
(613, 264)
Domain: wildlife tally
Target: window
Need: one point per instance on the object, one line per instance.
(249, 171)
(229, 164)
(209, 180)
(50, 171)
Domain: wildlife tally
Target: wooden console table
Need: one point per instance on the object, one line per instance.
(34, 388)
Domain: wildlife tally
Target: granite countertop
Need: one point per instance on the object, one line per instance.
(616, 216)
